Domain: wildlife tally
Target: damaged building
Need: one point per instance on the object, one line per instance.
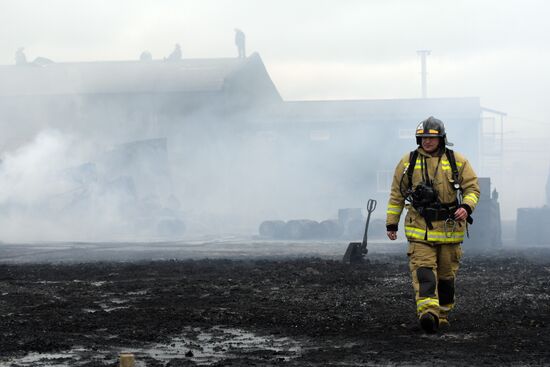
(236, 152)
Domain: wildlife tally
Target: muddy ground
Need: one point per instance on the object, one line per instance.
(271, 312)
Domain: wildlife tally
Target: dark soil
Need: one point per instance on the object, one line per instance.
(305, 312)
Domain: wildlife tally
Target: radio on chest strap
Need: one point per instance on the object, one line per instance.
(450, 157)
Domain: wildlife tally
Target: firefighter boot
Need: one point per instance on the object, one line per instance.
(429, 322)
(446, 291)
(444, 323)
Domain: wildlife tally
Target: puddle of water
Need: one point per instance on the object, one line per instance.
(63, 359)
(456, 336)
(106, 308)
(219, 343)
(207, 346)
(138, 293)
(117, 305)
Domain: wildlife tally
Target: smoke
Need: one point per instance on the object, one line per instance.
(61, 187)
(29, 176)
(159, 175)
(230, 175)
(204, 179)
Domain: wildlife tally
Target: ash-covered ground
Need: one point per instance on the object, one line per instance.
(262, 304)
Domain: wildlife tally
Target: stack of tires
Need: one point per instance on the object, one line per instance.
(350, 225)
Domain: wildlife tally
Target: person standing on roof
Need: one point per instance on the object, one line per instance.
(176, 54)
(20, 58)
(442, 190)
(240, 42)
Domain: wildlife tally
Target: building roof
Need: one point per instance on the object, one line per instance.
(157, 76)
(381, 109)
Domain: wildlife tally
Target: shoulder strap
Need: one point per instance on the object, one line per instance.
(410, 169)
(452, 161)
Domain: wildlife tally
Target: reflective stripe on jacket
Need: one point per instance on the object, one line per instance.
(415, 226)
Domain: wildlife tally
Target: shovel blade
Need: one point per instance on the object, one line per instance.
(353, 254)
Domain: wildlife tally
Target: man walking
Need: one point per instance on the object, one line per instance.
(441, 189)
(240, 42)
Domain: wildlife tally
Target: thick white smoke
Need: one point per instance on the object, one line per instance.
(56, 187)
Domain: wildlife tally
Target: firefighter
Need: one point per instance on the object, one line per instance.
(240, 42)
(441, 191)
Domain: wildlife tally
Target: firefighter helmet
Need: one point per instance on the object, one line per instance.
(431, 127)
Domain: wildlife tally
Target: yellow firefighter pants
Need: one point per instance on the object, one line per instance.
(433, 269)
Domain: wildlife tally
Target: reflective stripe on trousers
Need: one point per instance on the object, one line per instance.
(424, 305)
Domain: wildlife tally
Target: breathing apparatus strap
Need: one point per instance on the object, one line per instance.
(452, 161)
(456, 181)
(412, 162)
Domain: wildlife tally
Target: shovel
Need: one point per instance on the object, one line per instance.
(355, 254)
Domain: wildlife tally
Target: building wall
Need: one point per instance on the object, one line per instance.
(355, 160)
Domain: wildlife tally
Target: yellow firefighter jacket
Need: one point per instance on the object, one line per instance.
(416, 228)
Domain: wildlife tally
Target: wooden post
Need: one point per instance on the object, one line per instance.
(126, 360)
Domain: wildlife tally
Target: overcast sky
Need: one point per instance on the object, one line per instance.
(498, 50)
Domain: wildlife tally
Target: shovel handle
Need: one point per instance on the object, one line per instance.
(371, 205)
